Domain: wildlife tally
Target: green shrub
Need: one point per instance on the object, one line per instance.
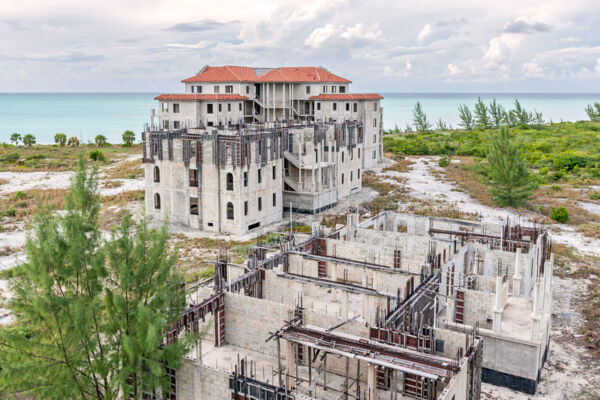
(97, 155)
(556, 175)
(35, 157)
(555, 188)
(544, 171)
(20, 196)
(10, 158)
(444, 162)
(11, 212)
(559, 214)
(595, 196)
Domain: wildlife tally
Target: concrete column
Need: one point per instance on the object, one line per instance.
(344, 304)
(449, 310)
(376, 280)
(498, 305)
(517, 276)
(289, 361)
(284, 102)
(366, 313)
(372, 382)
(535, 317)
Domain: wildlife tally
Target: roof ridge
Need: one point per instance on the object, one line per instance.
(234, 74)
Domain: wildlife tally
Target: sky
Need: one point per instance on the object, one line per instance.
(385, 46)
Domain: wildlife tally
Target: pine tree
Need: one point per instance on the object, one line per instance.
(466, 118)
(497, 113)
(593, 112)
(507, 171)
(75, 335)
(521, 115)
(482, 119)
(420, 119)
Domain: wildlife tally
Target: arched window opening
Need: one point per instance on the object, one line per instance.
(157, 201)
(229, 181)
(156, 174)
(230, 211)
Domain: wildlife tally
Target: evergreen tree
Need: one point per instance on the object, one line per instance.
(507, 171)
(497, 113)
(521, 115)
(482, 119)
(90, 314)
(441, 125)
(466, 118)
(420, 119)
(593, 112)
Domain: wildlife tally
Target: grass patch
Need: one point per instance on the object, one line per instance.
(22, 205)
(56, 158)
(122, 198)
(126, 170)
(112, 184)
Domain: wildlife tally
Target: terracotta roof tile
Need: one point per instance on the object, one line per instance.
(301, 74)
(347, 96)
(228, 73)
(192, 97)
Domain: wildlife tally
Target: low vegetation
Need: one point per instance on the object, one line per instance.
(561, 159)
(56, 158)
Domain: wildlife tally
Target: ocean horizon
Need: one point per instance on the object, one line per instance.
(86, 115)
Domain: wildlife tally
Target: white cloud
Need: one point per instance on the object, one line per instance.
(453, 69)
(500, 48)
(199, 45)
(532, 69)
(597, 67)
(424, 33)
(357, 33)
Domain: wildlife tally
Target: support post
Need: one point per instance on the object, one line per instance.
(372, 381)
(289, 360)
(498, 305)
(517, 276)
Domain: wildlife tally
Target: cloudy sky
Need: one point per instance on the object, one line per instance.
(388, 46)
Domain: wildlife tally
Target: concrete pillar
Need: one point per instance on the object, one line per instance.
(344, 304)
(376, 280)
(289, 361)
(535, 317)
(517, 276)
(372, 382)
(498, 305)
(449, 310)
(366, 312)
(333, 268)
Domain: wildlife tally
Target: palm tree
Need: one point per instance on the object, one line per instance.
(28, 140)
(15, 137)
(61, 139)
(73, 141)
(100, 140)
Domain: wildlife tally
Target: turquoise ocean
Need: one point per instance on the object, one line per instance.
(86, 115)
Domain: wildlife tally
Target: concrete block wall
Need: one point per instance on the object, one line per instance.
(199, 382)
(325, 299)
(249, 321)
(478, 307)
(382, 281)
(453, 341)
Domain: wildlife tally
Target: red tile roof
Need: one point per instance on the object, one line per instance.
(231, 73)
(347, 96)
(301, 74)
(191, 97)
(228, 73)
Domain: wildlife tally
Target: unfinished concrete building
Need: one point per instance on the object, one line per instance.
(234, 95)
(237, 179)
(397, 306)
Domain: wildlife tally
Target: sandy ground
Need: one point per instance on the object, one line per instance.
(568, 372)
